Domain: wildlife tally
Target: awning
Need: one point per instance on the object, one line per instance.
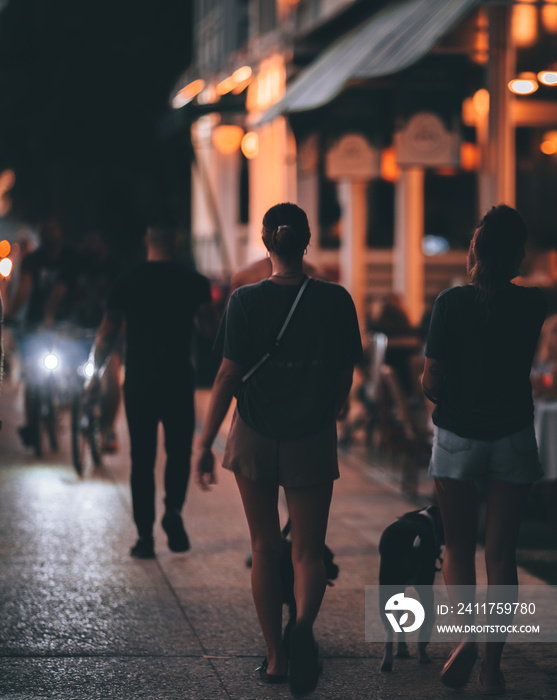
(388, 42)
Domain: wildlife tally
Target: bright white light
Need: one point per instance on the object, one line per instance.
(88, 369)
(51, 361)
(5, 267)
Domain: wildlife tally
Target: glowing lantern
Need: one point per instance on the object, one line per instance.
(250, 145)
(524, 23)
(469, 156)
(549, 143)
(5, 249)
(227, 138)
(549, 16)
(389, 168)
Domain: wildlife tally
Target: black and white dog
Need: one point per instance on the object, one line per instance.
(409, 549)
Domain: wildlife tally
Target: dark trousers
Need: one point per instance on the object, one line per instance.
(147, 404)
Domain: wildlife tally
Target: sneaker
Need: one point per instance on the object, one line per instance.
(144, 548)
(178, 540)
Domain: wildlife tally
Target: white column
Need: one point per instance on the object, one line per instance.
(408, 262)
(353, 258)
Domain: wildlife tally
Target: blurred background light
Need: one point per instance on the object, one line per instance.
(5, 249)
(433, 245)
(524, 84)
(250, 145)
(548, 77)
(227, 138)
(5, 267)
(187, 93)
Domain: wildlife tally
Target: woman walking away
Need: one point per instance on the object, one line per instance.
(290, 383)
(480, 348)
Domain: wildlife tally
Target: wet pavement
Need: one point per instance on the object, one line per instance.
(80, 619)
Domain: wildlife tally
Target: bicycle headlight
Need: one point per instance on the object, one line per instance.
(88, 369)
(51, 361)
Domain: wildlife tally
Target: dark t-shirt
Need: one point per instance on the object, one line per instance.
(159, 300)
(91, 281)
(486, 392)
(44, 272)
(293, 393)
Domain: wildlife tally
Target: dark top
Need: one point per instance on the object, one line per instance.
(159, 301)
(90, 281)
(486, 392)
(45, 272)
(293, 394)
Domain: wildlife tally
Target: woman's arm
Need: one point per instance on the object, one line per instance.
(432, 379)
(226, 384)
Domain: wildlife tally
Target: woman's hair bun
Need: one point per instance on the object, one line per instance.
(285, 240)
(286, 230)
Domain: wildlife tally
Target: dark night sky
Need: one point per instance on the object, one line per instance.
(84, 90)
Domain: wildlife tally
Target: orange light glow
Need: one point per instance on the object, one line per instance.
(549, 148)
(5, 267)
(187, 93)
(549, 16)
(470, 156)
(389, 168)
(268, 86)
(480, 53)
(5, 249)
(7, 180)
(549, 143)
(524, 84)
(250, 145)
(225, 86)
(242, 74)
(227, 138)
(548, 77)
(524, 23)
(480, 101)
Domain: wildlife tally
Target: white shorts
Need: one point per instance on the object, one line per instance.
(513, 458)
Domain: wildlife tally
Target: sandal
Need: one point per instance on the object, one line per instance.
(304, 661)
(456, 672)
(270, 677)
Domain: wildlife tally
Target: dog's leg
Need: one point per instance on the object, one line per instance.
(387, 662)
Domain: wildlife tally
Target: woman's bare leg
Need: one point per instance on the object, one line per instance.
(260, 505)
(309, 513)
(505, 505)
(458, 501)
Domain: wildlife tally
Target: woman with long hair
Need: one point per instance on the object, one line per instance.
(283, 431)
(481, 343)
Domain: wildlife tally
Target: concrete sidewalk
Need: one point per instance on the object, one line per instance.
(80, 619)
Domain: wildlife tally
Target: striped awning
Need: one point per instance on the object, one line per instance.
(388, 42)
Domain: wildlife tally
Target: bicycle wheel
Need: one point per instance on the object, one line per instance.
(49, 418)
(78, 452)
(35, 417)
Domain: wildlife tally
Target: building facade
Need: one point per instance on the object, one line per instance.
(391, 123)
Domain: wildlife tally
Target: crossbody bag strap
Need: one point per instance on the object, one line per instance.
(268, 354)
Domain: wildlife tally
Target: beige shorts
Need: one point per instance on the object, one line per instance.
(307, 461)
